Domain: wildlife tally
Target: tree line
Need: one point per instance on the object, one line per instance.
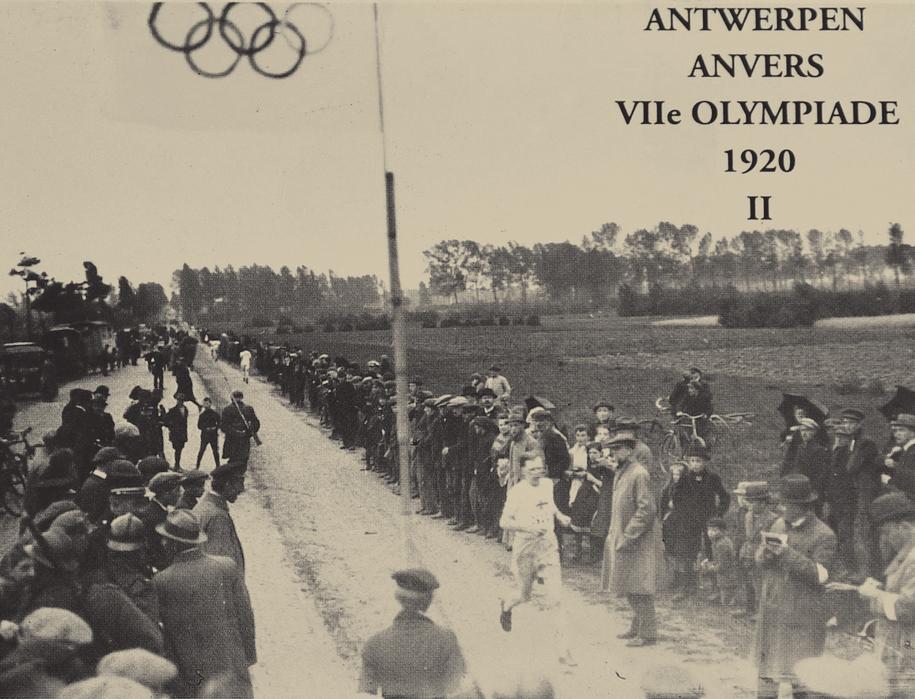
(666, 255)
(257, 293)
(46, 301)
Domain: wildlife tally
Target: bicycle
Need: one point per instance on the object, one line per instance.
(682, 432)
(14, 471)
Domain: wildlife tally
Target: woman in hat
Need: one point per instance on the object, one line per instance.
(794, 561)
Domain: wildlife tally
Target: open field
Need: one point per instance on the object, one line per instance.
(575, 360)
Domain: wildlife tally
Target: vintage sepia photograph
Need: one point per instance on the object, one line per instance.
(465, 349)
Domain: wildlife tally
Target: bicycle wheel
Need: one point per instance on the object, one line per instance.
(670, 447)
(12, 488)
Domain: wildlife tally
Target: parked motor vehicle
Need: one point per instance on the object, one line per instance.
(28, 368)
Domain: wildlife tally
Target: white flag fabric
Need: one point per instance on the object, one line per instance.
(258, 66)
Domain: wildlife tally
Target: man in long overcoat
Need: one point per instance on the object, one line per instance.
(795, 567)
(632, 551)
(239, 423)
(206, 611)
(212, 510)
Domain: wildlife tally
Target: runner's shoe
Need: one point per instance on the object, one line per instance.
(505, 618)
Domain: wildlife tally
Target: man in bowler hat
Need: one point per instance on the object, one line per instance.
(794, 559)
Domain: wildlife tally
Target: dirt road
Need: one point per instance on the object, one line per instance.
(322, 537)
(294, 649)
(342, 531)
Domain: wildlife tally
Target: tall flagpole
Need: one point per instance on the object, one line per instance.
(397, 324)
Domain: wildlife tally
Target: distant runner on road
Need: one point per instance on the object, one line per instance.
(244, 358)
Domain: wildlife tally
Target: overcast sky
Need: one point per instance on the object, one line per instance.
(501, 125)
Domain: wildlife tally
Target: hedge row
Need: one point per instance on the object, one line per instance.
(659, 301)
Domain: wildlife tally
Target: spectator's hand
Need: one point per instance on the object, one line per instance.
(776, 548)
(445, 451)
(563, 520)
(8, 630)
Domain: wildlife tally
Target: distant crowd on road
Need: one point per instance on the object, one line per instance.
(126, 578)
(831, 539)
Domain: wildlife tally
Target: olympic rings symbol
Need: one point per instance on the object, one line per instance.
(260, 39)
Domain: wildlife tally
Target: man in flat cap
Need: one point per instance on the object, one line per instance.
(239, 423)
(865, 464)
(192, 487)
(853, 467)
(163, 492)
(811, 458)
(226, 484)
(413, 658)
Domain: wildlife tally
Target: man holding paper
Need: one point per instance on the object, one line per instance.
(794, 560)
(893, 515)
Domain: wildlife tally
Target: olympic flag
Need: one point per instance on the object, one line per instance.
(257, 66)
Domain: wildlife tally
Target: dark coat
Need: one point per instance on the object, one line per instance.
(152, 515)
(238, 434)
(208, 420)
(183, 382)
(215, 521)
(866, 464)
(102, 426)
(600, 522)
(792, 609)
(413, 657)
(681, 538)
(696, 499)
(557, 461)
(811, 460)
(133, 579)
(176, 422)
(903, 473)
(207, 617)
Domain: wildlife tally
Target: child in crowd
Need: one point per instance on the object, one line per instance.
(756, 517)
(723, 564)
(586, 484)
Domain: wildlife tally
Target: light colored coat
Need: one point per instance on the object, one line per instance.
(215, 521)
(896, 637)
(792, 609)
(633, 550)
(207, 618)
